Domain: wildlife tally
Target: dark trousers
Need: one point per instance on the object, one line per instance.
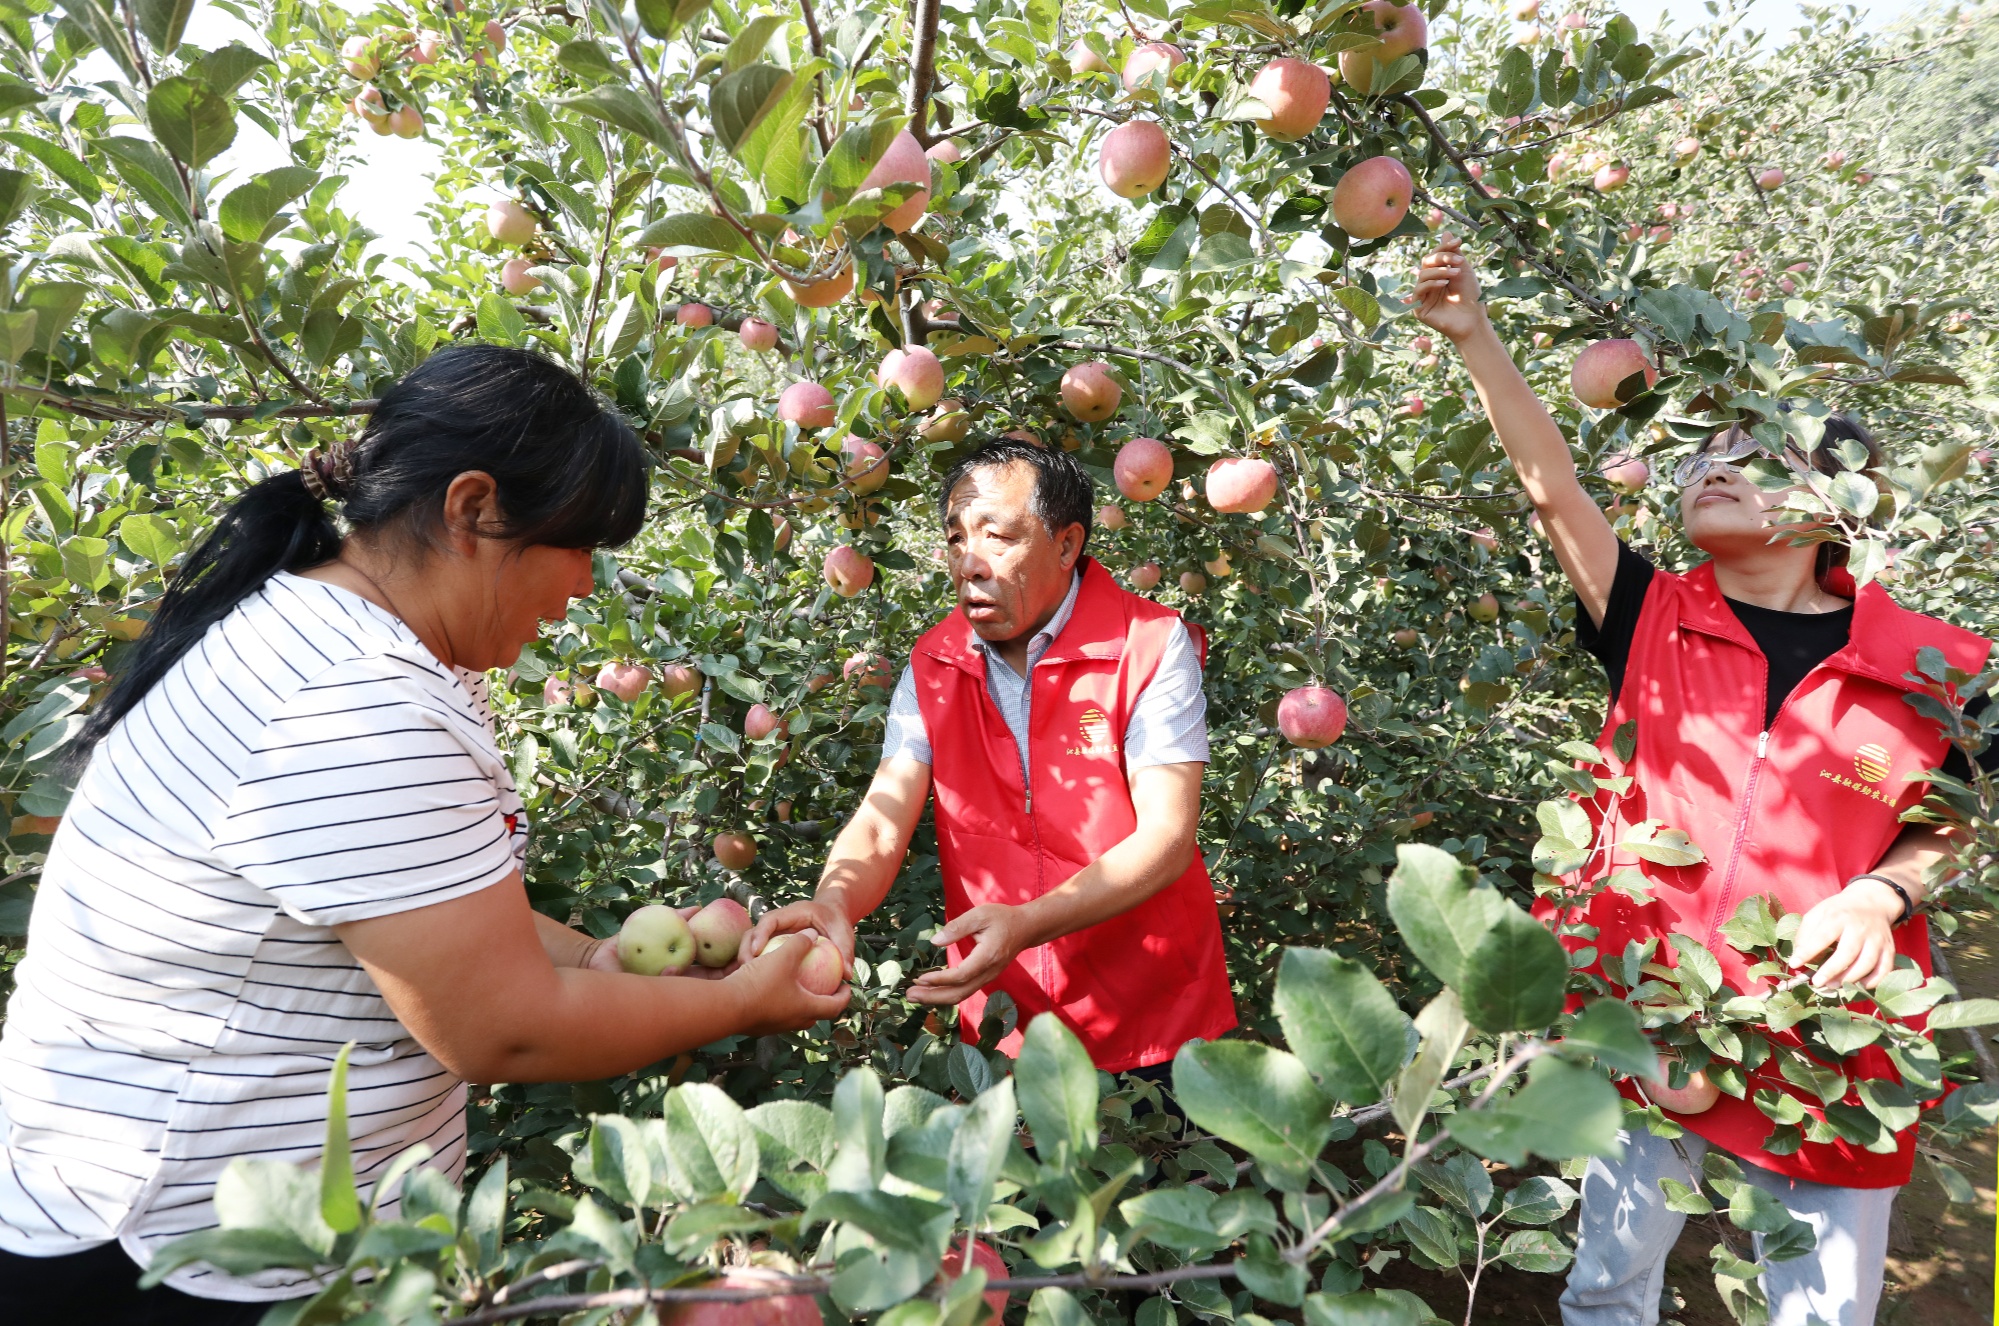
(101, 1288)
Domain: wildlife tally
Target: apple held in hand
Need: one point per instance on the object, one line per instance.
(822, 972)
(1311, 717)
(1134, 158)
(806, 404)
(1604, 367)
(1143, 468)
(1372, 198)
(654, 939)
(1090, 392)
(848, 571)
(718, 931)
(1241, 484)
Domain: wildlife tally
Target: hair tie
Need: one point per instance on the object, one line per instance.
(328, 475)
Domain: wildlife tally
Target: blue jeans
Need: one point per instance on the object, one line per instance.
(1627, 1231)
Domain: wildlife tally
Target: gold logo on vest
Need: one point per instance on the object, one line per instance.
(1872, 762)
(1096, 730)
(1853, 785)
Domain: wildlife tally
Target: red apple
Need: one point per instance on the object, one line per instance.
(1574, 20)
(1484, 537)
(1627, 474)
(358, 55)
(822, 293)
(761, 721)
(1772, 178)
(1484, 608)
(949, 422)
(1686, 149)
(1296, 93)
(678, 679)
(1154, 57)
(1143, 468)
(735, 850)
(1402, 30)
(867, 671)
(1145, 577)
(903, 163)
(1834, 159)
(1423, 345)
(1697, 1097)
(1312, 717)
(1405, 638)
(627, 681)
(848, 571)
(1611, 178)
(806, 404)
(1413, 403)
(1193, 583)
(510, 223)
(406, 121)
(756, 334)
(1090, 392)
(1083, 59)
(514, 278)
(1111, 517)
(1241, 484)
(1134, 158)
(1372, 197)
(694, 315)
(427, 47)
(373, 108)
(1434, 217)
(788, 1310)
(945, 150)
(718, 931)
(914, 371)
(865, 464)
(985, 1259)
(1602, 367)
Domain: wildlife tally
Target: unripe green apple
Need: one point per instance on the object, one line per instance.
(655, 939)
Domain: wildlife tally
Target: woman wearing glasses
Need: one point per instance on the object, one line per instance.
(1768, 698)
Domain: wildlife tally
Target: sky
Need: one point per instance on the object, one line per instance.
(392, 178)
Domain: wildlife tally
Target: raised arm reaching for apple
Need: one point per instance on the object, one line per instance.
(1447, 301)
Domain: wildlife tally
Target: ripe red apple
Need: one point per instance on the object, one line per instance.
(1423, 345)
(985, 1259)
(788, 1310)
(1111, 517)
(865, 464)
(1372, 197)
(1193, 583)
(1686, 149)
(1772, 178)
(557, 690)
(1697, 1097)
(514, 278)
(1484, 537)
(678, 679)
(1296, 92)
(945, 150)
(1145, 577)
(1434, 217)
(903, 163)
(1574, 20)
(1143, 468)
(1090, 392)
(372, 107)
(761, 721)
(694, 315)
(1600, 368)
(655, 939)
(427, 47)
(1526, 10)
(1834, 159)
(868, 671)
(1402, 30)
(823, 293)
(718, 931)
(1154, 57)
(406, 121)
(510, 223)
(1610, 178)
(735, 850)
(1405, 638)
(1484, 608)
(756, 334)
(806, 404)
(848, 571)
(1241, 484)
(1219, 566)
(1413, 404)
(1134, 158)
(1311, 716)
(357, 54)
(949, 422)
(916, 372)
(823, 973)
(1083, 59)
(627, 681)
(1627, 474)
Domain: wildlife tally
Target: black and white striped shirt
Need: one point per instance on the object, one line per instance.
(183, 995)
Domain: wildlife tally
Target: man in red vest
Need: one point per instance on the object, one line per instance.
(1060, 722)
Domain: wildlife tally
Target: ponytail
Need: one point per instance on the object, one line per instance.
(569, 472)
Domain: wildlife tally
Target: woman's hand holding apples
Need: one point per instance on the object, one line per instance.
(1447, 292)
(823, 915)
(775, 988)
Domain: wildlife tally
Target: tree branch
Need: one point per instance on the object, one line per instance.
(923, 70)
(106, 412)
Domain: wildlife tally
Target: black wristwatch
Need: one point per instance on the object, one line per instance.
(1908, 903)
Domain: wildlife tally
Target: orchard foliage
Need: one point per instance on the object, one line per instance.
(710, 209)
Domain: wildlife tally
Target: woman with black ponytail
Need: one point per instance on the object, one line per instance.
(294, 831)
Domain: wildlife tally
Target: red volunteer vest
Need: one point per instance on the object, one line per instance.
(1792, 813)
(1133, 988)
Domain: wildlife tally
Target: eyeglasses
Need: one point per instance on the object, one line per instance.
(1736, 444)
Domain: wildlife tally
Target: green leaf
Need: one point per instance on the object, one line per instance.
(1369, 1307)
(1610, 1029)
(233, 1251)
(1057, 1086)
(1513, 91)
(587, 60)
(1535, 1250)
(1364, 306)
(690, 234)
(978, 1149)
(250, 207)
(1342, 1023)
(1695, 966)
(1539, 1200)
(1055, 1307)
(15, 94)
(1258, 1098)
(228, 67)
(191, 119)
(1438, 912)
(860, 1146)
(622, 107)
(1651, 841)
(55, 305)
(339, 1202)
(1267, 1274)
(1178, 1218)
(617, 1160)
(100, 23)
(274, 1196)
(853, 154)
(910, 1224)
(1563, 1111)
(500, 322)
(711, 1149)
(739, 101)
(149, 173)
(663, 18)
(1514, 980)
(163, 22)
(1442, 1027)
(1964, 1013)
(60, 162)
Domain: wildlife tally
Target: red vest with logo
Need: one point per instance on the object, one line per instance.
(1137, 986)
(1791, 813)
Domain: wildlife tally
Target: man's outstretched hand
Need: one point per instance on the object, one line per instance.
(996, 932)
